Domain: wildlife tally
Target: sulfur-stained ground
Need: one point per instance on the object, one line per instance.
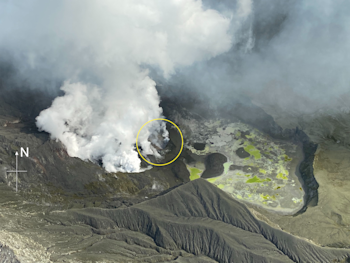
(258, 170)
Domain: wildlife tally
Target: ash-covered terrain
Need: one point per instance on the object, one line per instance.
(259, 91)
(68, 210)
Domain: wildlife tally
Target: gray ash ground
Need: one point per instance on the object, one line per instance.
(7, 255)
(68, 210)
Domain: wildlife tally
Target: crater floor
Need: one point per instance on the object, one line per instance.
(259, 170)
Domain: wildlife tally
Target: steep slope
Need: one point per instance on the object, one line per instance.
(203, 220)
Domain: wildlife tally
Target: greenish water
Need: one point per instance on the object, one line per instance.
(194, 173)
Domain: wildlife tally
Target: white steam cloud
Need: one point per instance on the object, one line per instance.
(100, 50)
(291, 59)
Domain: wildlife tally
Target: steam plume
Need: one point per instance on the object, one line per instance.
(291, 59)
(100, 50)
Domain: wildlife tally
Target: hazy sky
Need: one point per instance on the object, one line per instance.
(292, 55)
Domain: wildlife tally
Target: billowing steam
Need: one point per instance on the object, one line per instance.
(289, 57)
(99, 50)
(292, 59)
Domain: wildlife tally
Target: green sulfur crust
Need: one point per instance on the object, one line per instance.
(253, 151)
(194, 173)
(256, 179)
(281, 176)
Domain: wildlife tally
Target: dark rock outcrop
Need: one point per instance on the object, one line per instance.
(241, 153)
(214, 165)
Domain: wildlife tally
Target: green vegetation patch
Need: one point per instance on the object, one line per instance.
(253, 151)
(221, 186)
(256, 179)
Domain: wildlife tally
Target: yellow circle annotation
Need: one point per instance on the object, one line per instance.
(160, 164)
